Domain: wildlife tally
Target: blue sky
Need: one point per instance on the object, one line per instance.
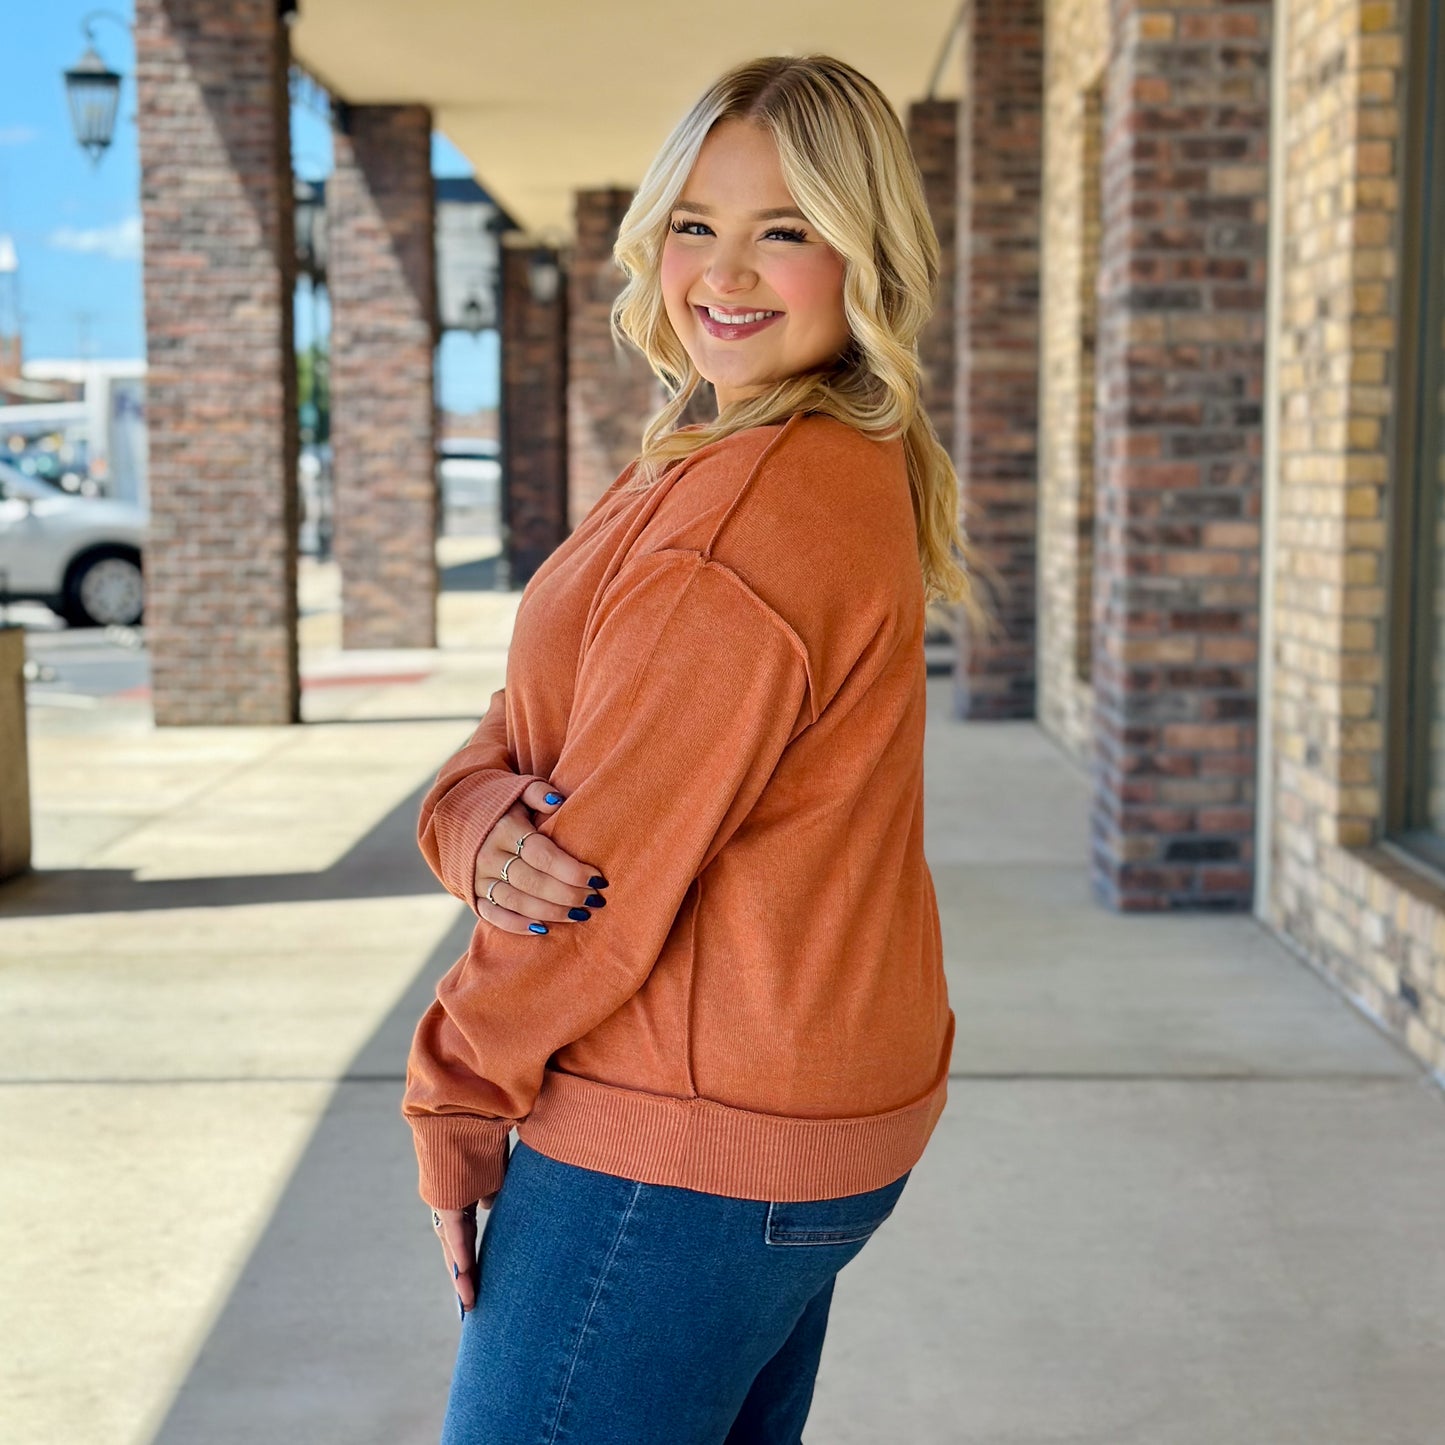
(76, 226)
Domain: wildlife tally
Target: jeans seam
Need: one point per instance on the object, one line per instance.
(786, 1241)
(805, 1237)
(591, 1306)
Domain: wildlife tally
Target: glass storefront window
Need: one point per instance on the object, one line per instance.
(1417, 794)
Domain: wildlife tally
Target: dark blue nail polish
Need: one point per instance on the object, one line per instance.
(455, 1270)
(461, 1309)
(580, 914)
(537, 927)
(553, 798)
(596, 900)
(596, 882)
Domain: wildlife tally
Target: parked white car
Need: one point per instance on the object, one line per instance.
(469, 478)
(81, 556)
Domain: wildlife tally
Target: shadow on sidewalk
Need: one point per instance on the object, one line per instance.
(479, 575)
(341, 1327)
(383, 862)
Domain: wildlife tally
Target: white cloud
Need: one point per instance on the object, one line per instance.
(18, 135)
(120, 242)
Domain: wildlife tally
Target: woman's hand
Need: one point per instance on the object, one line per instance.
(544, 885)
(457, 1231)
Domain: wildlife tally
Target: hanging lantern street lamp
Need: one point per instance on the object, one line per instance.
(93, 90)
(472, 322)
(310, 215)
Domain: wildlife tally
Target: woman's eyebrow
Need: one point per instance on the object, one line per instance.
(767, 215)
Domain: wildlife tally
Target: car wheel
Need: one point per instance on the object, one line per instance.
(104, 589)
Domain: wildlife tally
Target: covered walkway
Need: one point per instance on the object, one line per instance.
(1183, 1193)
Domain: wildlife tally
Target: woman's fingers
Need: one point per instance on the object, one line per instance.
(527, 887)
(541, 852)
(544, 884)
(536, 795)
(458, 1235)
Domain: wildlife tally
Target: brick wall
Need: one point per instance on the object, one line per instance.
(219, 272)
(933, 137)
(1369, 921)
(1179, 440)
(382, 275)
(1075, 54)
(997, 358)
(534, 415)
(611, 391)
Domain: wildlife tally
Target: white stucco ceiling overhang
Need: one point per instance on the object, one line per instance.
(544, 99)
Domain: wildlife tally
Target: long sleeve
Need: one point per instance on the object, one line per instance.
(474, 789)
(689, 690)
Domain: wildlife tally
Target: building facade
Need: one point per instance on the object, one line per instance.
(1274, 385)
(1187, 357)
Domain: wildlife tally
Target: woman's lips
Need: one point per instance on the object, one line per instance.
(724, 332)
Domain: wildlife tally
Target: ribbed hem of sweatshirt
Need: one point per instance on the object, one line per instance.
(703, 1145)
(462, 1158)
(464, 818)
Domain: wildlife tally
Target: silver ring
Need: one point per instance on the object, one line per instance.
(490, 886)
(523, 839)
(505, 866)
(436, 1220)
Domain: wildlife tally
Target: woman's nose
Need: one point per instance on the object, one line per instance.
(730, 273)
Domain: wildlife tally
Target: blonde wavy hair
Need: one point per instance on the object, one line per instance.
(848, 165)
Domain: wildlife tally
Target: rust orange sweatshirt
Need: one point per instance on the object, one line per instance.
(724, 675)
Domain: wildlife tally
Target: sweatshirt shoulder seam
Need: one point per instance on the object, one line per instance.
(696, 557)
(778, 621)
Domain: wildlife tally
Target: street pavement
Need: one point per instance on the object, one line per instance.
(1183, 1193)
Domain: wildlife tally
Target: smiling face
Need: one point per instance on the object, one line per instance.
(737, 246)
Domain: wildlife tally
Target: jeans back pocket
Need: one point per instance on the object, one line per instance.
(846, 1220)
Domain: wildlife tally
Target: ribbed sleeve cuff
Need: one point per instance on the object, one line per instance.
(464, 818)
(461, 1158)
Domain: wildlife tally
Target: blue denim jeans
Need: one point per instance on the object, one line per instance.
(618, 1313)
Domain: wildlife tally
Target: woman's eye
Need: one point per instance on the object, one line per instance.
(684, 228)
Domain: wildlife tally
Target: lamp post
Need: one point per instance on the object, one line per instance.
(93, 90)
(309, 211)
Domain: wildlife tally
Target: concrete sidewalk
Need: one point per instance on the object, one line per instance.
(1183, 1194)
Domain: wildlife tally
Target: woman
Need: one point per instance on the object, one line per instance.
(722, 1074)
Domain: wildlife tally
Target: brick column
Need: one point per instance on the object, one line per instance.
(610, 391)
(1180, 368)
(14, 755)
(219, 273)
(933, 136)
(996, 411)
(533, 414)
(382, 272)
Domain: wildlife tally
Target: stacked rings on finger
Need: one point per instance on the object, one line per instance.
(506, 865)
